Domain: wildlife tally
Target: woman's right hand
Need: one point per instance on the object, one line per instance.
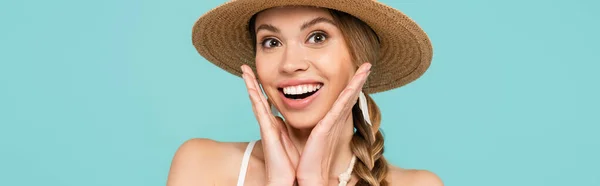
(281, 156)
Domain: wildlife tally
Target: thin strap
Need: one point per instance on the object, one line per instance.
(345, 176)
(244, 166)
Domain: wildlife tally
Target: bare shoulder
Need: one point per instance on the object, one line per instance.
(412, 177)
(202, 161)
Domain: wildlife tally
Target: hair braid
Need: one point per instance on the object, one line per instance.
(367, 142)
(371, 166)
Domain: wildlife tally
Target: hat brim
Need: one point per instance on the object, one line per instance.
(221, 36)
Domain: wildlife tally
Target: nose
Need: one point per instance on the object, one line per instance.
(294, 59)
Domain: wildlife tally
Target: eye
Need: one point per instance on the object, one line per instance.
(270, 43)
(317, 37)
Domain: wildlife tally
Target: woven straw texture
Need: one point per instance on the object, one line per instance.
(221, 36)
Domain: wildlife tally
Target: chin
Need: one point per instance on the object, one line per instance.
(301, 120)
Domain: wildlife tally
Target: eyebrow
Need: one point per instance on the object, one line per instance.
(304, 26)
(267, 27)
(316, 21)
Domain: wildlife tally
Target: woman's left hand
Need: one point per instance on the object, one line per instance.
(316, 159)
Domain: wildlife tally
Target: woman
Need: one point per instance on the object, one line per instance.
(316, 63)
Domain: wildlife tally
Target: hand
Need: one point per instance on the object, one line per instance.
(316, 159)
(281, 156)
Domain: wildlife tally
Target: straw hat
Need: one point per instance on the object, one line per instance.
(221, 36)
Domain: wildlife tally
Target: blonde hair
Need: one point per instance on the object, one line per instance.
(367, 142)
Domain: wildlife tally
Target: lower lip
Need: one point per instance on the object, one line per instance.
(296, 104)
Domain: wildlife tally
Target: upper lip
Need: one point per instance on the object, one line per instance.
(294, 82)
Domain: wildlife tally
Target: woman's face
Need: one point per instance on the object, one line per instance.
(302, 61)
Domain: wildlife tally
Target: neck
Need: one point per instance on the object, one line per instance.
(343, 154)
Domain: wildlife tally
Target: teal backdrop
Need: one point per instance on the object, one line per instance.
(97, 93)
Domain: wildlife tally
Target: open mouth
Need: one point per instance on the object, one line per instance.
(299, 92)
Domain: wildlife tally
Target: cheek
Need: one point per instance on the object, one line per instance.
(264, 68)
(335, 64)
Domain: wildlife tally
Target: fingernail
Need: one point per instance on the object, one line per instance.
(243, 69)
(368, 66)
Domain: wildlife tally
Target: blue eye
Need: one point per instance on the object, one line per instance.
(270, 43)
(317, 37)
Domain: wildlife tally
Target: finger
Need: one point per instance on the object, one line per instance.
(365, 67)
(251, 78)
(290, 149)
(347, 98)
(272, 143)
(354, 86)
(251, 82)
(288, 145)
(246, 69)
(260, 111)
(275, 154)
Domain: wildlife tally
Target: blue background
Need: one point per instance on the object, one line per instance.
(103, 93)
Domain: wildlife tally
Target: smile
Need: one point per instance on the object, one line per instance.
(299, 96)
(300, 91)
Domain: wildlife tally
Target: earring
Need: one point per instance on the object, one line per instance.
(362, 104)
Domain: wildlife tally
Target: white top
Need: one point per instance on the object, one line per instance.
(343, 178)
(244, 166)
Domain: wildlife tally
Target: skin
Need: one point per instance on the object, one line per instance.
(311, 146)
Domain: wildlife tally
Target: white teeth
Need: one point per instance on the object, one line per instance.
(301, 89)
